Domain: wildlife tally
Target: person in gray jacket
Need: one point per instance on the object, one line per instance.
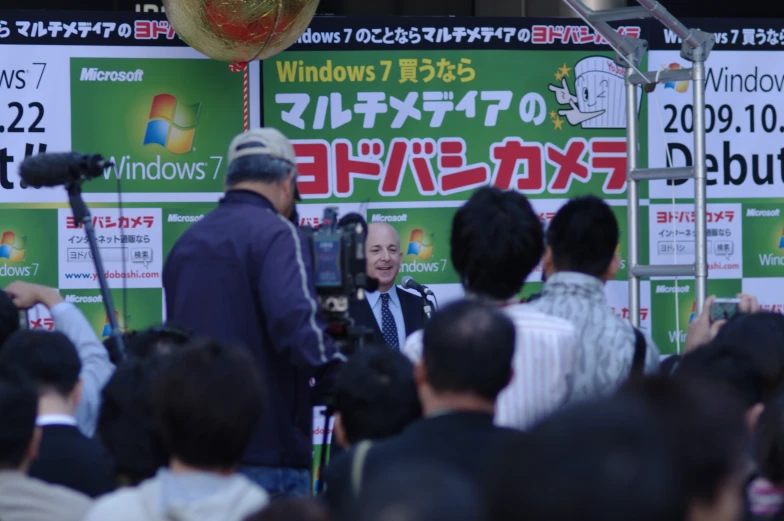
(208, 401)
(97, 369)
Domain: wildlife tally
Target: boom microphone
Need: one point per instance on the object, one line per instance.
(409, 283)
(62, 168)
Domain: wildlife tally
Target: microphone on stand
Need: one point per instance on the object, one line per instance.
(408, 282)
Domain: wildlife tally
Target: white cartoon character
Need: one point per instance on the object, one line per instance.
(599, 100)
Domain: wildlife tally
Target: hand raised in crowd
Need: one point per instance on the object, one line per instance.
(26, 295)
(702, 330)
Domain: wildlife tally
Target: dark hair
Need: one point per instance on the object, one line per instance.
(705, 425)
(731, 365)
(298, 509)
(18, 410)
(769, 442)
(209, 403)
(424, 492)
(158, 340)
(375, 394)
(597, 460)
(258, 168)
(127, 425)
(497, 240)
(9, 317)
(110, 343)
(583, 236)
(761, 335)
(48, 359)
(468, 347)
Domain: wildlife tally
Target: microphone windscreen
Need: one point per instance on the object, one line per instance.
(47, 169)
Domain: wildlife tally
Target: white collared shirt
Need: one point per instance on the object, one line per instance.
(55, 419)
(543, 363)
(374, 300)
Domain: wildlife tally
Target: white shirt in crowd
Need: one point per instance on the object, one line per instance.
(544, 364)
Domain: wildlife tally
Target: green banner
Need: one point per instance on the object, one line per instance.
(164, 123)
(28, 246)
(139, 309)
(763, 240)
(434, 125)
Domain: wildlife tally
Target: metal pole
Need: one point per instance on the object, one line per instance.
(633, 197)
(700, 191)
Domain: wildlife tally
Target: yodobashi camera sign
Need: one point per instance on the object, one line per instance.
(424, 241)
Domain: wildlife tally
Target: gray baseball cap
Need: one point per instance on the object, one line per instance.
(262, 141)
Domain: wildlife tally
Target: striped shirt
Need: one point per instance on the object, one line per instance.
(544, 362)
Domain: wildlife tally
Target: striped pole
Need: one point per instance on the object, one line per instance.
(243, 67)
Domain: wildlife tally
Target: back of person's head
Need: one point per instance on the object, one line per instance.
(761, 335)
(209, 403)
(18, 410)
(158, 341)
(49, 359)
(769, 442)
(9, 317)
(583, 236)
(421, 492)
(298, 509)
(731, 365)
(468, 348)
(704, 423)
(128, 427)
(497, 240)
(375, 395)
(602, 461)
(116, 355)
(261, 155)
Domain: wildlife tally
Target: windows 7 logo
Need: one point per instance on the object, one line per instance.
(12, 247)
(781, 240)
(172, 124)
(679, 86)
(107, 327)
(420, 244)
(693, 314)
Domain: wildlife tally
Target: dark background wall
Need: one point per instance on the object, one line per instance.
(680, 8)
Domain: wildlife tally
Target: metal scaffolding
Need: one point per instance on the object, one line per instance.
(629, 54)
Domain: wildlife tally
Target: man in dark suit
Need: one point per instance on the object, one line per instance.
(391, 312)
(65, 456)
(467, 361)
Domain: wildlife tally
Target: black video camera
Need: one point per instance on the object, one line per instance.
(340, 274)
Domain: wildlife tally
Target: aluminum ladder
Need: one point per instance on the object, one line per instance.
(629, 53)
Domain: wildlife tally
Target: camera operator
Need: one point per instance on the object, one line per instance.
(243, 275)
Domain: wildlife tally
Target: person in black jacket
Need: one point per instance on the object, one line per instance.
(65, 456)
(467, 361)
(243, 275)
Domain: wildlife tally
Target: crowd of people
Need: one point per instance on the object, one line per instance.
(495, 408)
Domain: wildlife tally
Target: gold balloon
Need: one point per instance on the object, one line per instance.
(240, 30)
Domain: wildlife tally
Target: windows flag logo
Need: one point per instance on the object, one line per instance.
(693, 314)
(420, 244)
(679, 86)
(781, 240)
(12, 247)
(107, 326)
(172, 124)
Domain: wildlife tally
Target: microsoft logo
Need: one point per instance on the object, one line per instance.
(93, 74)
(172, 124)
(177, 218)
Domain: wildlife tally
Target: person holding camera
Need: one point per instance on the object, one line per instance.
(243, 275)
